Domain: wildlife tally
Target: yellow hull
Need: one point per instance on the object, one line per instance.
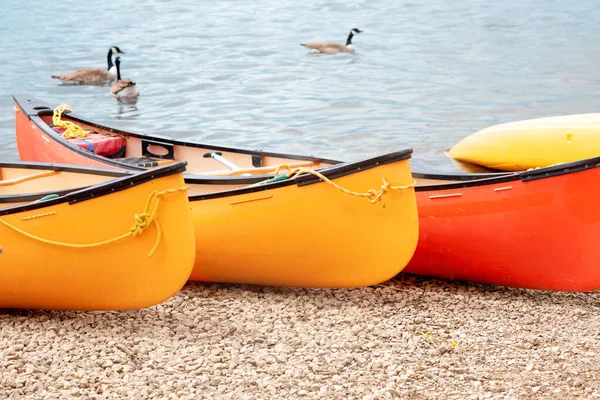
(535, 143)
(58, 254)
(308, 235)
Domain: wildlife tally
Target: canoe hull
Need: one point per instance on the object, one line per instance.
(308, 236)
(542, 233)
(113, 276)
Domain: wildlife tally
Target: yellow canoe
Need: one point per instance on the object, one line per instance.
(124, 242)
(534, 143)
(307, 232)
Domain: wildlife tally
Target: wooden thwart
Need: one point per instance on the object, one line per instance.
(259, 170)
(25, 178)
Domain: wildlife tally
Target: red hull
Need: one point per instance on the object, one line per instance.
(537, 229)
(539, 234)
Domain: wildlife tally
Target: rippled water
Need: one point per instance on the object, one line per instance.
(425, 74)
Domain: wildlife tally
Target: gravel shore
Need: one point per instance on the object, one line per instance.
(412, 337)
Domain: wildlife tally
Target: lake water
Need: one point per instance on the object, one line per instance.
(425, 73)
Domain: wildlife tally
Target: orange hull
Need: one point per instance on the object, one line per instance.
(538, 229)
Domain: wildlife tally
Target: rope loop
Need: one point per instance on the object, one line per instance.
(372, 195)
(142, 221)
(281, 167)
(72, 130)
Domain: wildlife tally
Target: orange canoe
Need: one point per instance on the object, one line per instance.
(534, 229)
(538, 229)
(123, 241)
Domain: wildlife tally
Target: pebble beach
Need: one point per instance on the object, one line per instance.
(409, 338)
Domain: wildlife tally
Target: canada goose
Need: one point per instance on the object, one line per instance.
(332, 48)
(93, 75)
(124, 90)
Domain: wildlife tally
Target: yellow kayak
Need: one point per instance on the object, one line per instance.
(123, 242)
(534, 143)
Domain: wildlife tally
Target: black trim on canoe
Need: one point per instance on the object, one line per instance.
(338, 170)
(459, 181)
(331, 172)
(32, 165)
(114, 185)
(35, 109)
(560, 169)
(27, 197)
(64, 168)
(471, 180)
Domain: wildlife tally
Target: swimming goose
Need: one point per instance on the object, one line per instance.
(124, 90)
(93, 75)
(332, 48)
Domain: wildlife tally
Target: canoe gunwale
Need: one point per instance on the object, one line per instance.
(473, 180)
(78, 195)
(560, 169)
(338, 170)
(59, 167)
(34, 109)
(27, 197)
(126, 182)
(464, 181)
(332, 172)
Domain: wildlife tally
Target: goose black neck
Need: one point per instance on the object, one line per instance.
(109, 59)
(118, 71)
(349, 40)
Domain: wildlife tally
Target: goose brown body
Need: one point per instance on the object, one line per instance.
(86, 75)
(329, 47)
(92, 75)
(332, 47)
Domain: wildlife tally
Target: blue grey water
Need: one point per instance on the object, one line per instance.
(425, 73)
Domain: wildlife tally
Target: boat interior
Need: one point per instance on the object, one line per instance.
(146, 152)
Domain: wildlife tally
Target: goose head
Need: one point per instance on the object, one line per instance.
(354, 31)
(114, 50)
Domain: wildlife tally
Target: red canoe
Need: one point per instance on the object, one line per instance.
(537, 229)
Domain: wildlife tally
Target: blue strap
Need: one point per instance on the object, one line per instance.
(89, 145)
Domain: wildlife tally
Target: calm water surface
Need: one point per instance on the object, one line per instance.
(425, 74)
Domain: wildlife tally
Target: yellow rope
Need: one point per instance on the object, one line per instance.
(38, 215)
(372, 194)
(142, 221)
(72, 130)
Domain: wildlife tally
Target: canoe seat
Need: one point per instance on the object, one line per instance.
(145, 162)
(104, 145)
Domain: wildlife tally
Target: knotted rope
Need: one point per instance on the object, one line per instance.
(72, 130)
(373, 195)
(142, 221)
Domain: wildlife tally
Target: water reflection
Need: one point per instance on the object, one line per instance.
(126, 111)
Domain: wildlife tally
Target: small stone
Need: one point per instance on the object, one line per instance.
(529, 366)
